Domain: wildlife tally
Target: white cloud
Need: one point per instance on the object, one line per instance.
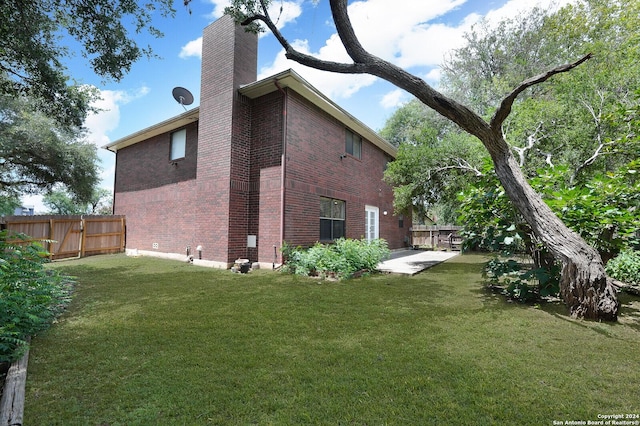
(408, 39)
(513, 8)
(433, 76)
(218, 7)
(388, 31)
(192, 48)
(331, 84)
(284, 12)
(106, 120)
(393, 99)
(98, 124)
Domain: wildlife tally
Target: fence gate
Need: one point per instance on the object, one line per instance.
(71, 236)
(65, 238)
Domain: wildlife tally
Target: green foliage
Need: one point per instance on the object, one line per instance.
(31, 294)
(521, 281)
(434, 161)
(31, 52)
(8, 204)
(579, 122)
(603, 210)
(37, 153)
(625, 267)
(493, 224)
(60, 202)
(342, 259)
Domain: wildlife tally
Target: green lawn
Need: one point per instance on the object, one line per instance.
(149, 341)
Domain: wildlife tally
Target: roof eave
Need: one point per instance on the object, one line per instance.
(165, 126)
(290, 78)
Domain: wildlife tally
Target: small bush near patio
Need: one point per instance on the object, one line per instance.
(158, 342)
(342, 259)
(30, 295)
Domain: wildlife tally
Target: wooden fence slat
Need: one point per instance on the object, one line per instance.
(77, 235)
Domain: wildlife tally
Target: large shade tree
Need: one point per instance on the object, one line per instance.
(584, 286)
(574, 127)
(37, 153)
(42, 109)
(32, 49)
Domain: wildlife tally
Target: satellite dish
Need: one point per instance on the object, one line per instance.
(182, 96)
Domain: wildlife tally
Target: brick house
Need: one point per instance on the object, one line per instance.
(256, 164)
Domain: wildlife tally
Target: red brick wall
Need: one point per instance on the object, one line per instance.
(146, 164)
(265, 175)
(164, 215)
(269, 214)
(314, 145)
(229, 59)
(158, 197)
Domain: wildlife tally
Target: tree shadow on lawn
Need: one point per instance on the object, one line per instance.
(628, 315)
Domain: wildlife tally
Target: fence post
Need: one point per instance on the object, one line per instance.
(122, 233)
(83, 234)
(50, 243)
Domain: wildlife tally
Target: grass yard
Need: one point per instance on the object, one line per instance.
(157, 342)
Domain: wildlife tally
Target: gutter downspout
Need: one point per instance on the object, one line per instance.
(283, 161)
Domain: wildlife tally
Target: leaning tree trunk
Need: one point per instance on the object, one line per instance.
(583, 285)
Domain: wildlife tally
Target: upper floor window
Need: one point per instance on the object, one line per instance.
(178, 144)
(353, 144)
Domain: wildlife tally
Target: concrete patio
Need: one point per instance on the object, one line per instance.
(410, 262)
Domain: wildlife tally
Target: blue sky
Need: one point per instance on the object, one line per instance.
(414, 34)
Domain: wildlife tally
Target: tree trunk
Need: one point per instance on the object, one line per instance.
(583, 284)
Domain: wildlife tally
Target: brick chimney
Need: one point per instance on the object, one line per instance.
(229, 60)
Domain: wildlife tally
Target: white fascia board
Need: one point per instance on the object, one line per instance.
(291, 79)
(166, 126)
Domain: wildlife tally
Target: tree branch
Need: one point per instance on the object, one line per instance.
(302, 58)
(366, 63)
(462, 165)
(589, 161)
(531, 141)
(505, 106)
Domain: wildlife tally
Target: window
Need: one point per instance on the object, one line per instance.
(332, 219)
(178, 143)
(354, 144)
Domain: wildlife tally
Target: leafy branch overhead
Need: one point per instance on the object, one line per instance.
(32, 50)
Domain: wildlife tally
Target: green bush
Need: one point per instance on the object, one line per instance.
(522, 282)
(31, 295)
(342, 259)
(625, 267)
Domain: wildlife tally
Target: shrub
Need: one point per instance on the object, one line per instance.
(625, 267)
(31, 295)
(342, 259)
(522, 282)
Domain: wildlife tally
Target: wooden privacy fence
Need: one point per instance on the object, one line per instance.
(71, 236)
(437, 237)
